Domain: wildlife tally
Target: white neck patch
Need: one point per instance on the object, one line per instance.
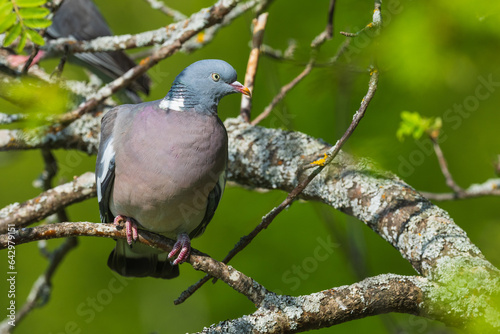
(176, 104)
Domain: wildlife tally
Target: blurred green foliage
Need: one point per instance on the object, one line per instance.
(437, 57)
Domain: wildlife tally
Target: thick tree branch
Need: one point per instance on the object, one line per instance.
(200, 261)
(48, 202)
(372, 296)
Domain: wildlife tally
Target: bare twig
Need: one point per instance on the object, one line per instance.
(489, 188)
(159, 5)
(329, 26)
(444, 167)
(282, 93)
(32, 56)
(375, 24)
(315, 45)
(259, 25)
(200, 261)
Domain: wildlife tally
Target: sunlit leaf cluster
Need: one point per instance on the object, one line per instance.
(21, 19)
(414, 124)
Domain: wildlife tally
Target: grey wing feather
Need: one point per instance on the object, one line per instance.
(213, 201)
(105, 165)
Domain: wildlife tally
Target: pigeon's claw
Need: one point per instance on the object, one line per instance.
(183, 247)
(130, 228)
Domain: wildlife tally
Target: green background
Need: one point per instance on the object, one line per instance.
(431, 55)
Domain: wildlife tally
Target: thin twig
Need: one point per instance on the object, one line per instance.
(375, 24)
(175, 14)
(282, 93)
(444, 167)
(315, 45)
(36, 48)
(259, 24)
(489, 188)
(329, 26)
(32, 56)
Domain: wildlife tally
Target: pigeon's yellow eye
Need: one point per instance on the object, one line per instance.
(215, 76)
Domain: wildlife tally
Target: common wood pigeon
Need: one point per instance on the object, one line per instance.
(161, 167)
(82, 20)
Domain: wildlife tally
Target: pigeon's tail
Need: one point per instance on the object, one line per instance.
(140, 261)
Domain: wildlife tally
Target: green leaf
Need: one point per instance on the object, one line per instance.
(35, 37)
(5, 9)
(413, 124)
(12, 34)
(30, 3)
(7, 22)
(37, 23)
(34, 13)
(22, 42)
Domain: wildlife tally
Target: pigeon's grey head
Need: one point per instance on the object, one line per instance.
(201, 86)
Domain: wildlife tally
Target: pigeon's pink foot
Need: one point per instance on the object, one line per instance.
(183, 247)
(130, 227)
(18, 60)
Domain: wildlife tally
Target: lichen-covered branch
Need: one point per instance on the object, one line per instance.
(372, 296)
(200, 261)
(165, 36)
(423, 233)
(48, 202)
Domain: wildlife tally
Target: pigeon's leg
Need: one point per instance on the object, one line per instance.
(130, 227)
(183, 247)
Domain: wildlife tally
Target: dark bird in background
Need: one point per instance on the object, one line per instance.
(82, 20)
(161, 167)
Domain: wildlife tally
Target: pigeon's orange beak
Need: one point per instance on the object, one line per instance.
(242, 89)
